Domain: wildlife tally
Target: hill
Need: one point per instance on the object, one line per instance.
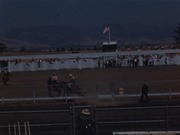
(71, 36)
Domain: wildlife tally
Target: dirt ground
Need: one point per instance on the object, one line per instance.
(100, 75)
(160, 79)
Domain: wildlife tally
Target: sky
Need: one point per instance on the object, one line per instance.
(34, 13)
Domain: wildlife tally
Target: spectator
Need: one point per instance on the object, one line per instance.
(85, 123)
(5, 76)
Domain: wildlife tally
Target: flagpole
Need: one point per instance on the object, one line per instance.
(109, 35)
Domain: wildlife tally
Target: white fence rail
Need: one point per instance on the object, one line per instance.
(169, 89)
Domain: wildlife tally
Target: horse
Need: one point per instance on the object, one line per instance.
(57, 86)
(73, 89)
(63, 88)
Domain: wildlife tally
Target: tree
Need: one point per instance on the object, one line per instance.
(177, 36)
(3, 47)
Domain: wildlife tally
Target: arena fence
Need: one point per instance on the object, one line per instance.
(107, 120)
(16, 128)
(130, 91)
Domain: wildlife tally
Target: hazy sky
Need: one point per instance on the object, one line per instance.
(28, 13)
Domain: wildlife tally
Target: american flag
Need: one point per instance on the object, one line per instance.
(106, 29)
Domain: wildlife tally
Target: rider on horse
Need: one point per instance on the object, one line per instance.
(54, 78)
(72, 81)
(53, 84)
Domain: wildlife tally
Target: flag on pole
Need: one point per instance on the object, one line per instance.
(106, 29)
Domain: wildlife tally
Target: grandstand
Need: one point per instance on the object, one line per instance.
(90, 60)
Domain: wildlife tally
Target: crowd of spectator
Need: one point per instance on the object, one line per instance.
(93, 62)
(143, 60)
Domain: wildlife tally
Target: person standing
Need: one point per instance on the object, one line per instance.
(86, 124)
(144, 93)
(5, 76)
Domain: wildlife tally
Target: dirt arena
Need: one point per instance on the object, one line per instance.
(160, 79)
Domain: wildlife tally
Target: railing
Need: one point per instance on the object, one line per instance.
(109, 91)
(16, 128)
(107, 120)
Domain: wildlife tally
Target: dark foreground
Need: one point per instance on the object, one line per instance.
(63, 119)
